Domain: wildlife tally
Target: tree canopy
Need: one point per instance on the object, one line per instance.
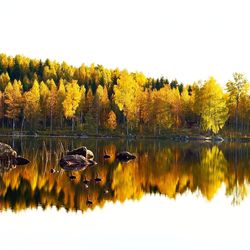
(39, 95)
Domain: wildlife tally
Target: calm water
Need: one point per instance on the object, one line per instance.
(173, 196)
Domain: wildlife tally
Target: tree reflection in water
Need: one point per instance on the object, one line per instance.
(160, 167)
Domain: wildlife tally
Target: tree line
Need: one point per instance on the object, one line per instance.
(47, 95)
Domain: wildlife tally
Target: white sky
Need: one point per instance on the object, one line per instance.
(184, 39)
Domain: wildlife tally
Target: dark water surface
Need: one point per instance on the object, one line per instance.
(172, 196)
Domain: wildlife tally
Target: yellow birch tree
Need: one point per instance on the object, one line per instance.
(32, 104)
(71, 101)
(13, 101)
(213, 109)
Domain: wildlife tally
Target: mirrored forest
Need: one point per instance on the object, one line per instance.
(161, 167)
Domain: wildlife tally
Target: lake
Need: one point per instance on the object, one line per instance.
(188, 195)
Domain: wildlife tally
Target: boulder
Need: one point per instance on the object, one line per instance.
(125, 156)
(75, 162)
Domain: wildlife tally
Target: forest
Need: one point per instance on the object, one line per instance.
(46, 96)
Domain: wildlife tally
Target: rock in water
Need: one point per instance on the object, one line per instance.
(125, 156)
(52, 170)
(75, 162)
(82, 151)
(72, 177)
(106, 156)
(21, 161)
(7, 153)
(9, 158)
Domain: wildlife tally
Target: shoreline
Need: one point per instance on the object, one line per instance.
(170, 137)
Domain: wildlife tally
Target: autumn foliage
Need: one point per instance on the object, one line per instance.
(37, 95)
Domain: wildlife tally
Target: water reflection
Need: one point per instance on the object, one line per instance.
(160, 167)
